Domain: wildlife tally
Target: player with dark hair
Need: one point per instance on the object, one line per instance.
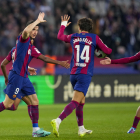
(32, 71)
(126, 60)
(18, 77)
(81, 67)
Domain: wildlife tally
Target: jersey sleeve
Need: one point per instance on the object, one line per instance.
(9, 57)
(102, 46)
(126, 59)
(61, 36)
(23, 40)
(35, 52)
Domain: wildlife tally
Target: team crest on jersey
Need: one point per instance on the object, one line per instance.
(14, 96)
(29, 52)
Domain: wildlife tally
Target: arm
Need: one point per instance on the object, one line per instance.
(35, 53)
(29, 28)
(64, 24)
(49, 60)
(3, 68)
(125, 60)
(61, 36)
(102, 46)
(32, 71)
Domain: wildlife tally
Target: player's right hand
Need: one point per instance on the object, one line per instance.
(41, 17)
(66, 18)
(65, 64)
(32, 71)
(106, 61)
(6, 81)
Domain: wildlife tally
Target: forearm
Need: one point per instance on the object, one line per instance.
(61, 35)
(29, 28)
(102, 46)
(126, 60)
(49, 60)
(3, 68)
(105, 49)
(120, 61)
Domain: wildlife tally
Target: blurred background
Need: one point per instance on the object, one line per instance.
(117, 22)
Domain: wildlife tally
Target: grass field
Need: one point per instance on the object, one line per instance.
(109, 121)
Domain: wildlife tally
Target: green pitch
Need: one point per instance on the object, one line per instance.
(109, 121)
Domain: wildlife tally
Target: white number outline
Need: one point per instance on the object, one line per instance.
(16, 91)
(85, 50)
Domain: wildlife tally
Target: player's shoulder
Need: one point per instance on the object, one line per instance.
(13, 49)
(18, 37)
(75, 34)
(34, 49)
(33, 46)
(92, 34)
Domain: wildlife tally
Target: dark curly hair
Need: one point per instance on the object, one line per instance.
(85, 24)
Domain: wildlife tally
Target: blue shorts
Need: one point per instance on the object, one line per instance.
(80, 82)
(20, 95)
(18, 86)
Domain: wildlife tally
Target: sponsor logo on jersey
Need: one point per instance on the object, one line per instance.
(81, 64)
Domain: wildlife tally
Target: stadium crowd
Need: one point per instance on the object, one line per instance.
(117, 23)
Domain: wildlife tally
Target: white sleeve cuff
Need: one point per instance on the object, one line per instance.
(64, 23)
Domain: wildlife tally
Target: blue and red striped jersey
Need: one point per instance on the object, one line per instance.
(23, 54)
(10, 55)
(83, 46)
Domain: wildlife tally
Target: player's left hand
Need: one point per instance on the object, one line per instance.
(66, 18)
(32, 71)
(65, 64)
(106, 61)
(41, 17)
(6, 81)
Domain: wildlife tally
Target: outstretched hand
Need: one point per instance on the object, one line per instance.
(66, 18)
(65, 64)
(41, 17)
(32, 71)
(106, 61)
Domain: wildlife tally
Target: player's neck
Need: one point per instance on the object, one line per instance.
(84, 32)
(32, 41)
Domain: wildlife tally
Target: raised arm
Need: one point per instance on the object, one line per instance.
(122, 60)
(29, 28)
(49, 60)
(102, 46)
(64, 24)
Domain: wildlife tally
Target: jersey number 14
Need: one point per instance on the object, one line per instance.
(84, 55)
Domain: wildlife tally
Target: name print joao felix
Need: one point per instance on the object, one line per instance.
(82, 40)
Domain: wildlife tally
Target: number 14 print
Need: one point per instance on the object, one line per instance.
(85, 50)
